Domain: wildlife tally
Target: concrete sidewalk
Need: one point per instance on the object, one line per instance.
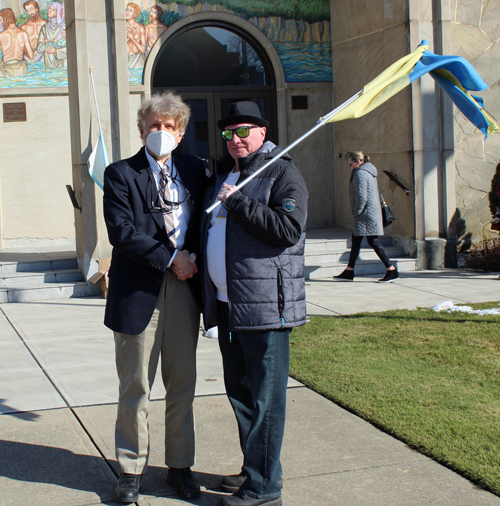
(58, 391)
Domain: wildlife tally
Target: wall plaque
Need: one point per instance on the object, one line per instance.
(14, 112)
(299, 102)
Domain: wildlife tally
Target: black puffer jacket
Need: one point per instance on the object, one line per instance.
(265, 239)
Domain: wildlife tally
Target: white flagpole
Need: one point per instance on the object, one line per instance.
(322, 121)
(95, 99)
(98, 159)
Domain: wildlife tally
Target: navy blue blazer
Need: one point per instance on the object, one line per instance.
(136, 230)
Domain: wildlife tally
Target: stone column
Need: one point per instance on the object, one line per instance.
(121, 86)
(93, 40)
(448, 192)
(432, 141)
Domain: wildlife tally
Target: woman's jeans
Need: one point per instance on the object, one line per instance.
(256, 368)
(374, 243)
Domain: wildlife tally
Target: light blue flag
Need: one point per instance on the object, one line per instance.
(98, 161)
(456, 76)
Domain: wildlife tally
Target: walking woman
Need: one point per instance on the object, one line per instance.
(365, 205)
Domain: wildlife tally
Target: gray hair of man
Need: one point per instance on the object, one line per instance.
(357, 155)
(167, 105)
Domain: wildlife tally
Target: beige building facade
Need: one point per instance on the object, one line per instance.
(417, 136)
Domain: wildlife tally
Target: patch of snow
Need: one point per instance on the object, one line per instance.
(449, 307)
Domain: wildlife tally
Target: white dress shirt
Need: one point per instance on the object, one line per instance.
(181, 213)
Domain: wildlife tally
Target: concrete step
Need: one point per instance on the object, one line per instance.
(327, 253)
(48, 291)
(52, 273)
(335, 245)
(49, 273)
(32, 262)
(37, 278)
(362, 267)
(331, 257)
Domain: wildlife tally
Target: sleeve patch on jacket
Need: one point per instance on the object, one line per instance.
(288, 205)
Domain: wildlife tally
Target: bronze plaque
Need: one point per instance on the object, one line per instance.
(14, 112)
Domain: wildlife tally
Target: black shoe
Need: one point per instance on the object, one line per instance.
(347, 275)
(185, 484)
(233, 482)
(495, 219)
(244, 500)
(127, 488)
(390, 276)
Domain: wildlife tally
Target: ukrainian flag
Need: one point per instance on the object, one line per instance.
(453, 74)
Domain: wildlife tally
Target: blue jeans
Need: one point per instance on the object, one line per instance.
(256, 366)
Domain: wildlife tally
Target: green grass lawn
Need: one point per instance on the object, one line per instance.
(430, 379)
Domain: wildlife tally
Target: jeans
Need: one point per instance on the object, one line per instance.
(256, 366)
(374, 243)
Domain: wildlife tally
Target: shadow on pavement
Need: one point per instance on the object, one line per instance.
(36, 463)
(5, 409)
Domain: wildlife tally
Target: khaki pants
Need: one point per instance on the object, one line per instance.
(172, 336)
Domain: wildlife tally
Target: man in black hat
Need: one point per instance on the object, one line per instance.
(254, 291)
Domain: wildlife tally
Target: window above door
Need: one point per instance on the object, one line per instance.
(210, 56)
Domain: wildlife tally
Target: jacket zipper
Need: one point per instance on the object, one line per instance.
(229, 318)
(227, 285)
(281, 299)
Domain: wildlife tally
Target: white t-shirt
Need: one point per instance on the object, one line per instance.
(216, 245)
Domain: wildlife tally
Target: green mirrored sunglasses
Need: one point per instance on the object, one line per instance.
(241, 132)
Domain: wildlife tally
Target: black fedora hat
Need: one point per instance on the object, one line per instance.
(243, 112)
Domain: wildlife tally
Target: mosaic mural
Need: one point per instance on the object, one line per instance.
(300, 31)
(32, 44)
(33, 36)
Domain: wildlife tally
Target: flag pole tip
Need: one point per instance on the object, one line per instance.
(90, 69)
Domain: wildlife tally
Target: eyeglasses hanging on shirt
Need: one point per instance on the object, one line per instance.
(167, 202)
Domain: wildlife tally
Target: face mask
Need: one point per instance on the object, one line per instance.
(161, 143)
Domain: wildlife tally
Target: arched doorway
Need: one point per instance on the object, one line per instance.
(212, 64)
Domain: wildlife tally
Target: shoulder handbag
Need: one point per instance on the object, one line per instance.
(387, 215)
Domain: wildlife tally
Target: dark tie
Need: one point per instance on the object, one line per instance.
(166, 198)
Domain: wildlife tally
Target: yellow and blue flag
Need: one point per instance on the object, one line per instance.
(455, 75)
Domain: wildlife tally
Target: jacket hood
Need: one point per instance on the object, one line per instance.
(369, 168)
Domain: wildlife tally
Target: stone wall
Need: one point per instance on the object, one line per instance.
(476, 37)
(35, 169)
(313, 156)
(366, 39)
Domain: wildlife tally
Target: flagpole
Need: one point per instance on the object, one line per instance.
(322, 121)
(98, 159)
(95, 99)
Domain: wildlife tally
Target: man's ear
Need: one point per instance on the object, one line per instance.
(141, 133)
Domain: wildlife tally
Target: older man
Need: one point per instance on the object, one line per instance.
(151, 208)
(254, 291)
